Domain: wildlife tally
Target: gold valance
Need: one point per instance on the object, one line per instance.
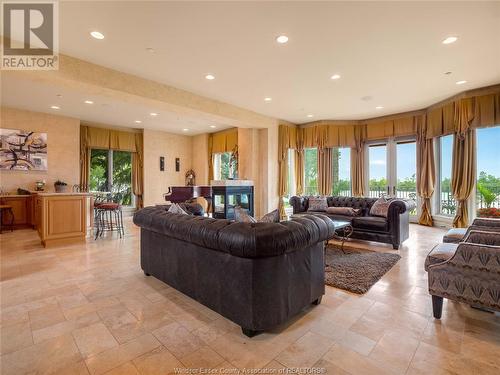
(223, 141)
(109, 139)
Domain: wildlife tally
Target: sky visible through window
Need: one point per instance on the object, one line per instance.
(488, 151)
(378, 162)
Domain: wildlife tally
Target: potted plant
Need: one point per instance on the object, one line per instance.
(60, 186)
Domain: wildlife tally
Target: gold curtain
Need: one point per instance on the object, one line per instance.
(223, 141)
(111, 139)
(210, 158)
(138, 170)
(283, 145)
(84, 159)
(426, 172)
(463, 170)
(325, 171)
(358, 162)
(299, 162)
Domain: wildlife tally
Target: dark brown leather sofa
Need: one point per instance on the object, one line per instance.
(258, 275)
(392, 230)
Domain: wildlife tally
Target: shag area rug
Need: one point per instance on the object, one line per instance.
(356, 270)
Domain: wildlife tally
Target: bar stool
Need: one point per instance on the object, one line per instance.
(5, 207)
(108, 218)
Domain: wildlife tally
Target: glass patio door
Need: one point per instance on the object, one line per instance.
(392, 169)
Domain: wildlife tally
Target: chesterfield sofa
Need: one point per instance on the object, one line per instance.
(466, 272)
(258, 275)
(393, 229)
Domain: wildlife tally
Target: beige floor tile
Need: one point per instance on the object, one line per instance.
(359, 343)
(125, 369)
(355, 363)
(64, 328)
(306, 351)
(439, 336)
(157, 362)
(94, 339)
(46, 316)
(73, 368)
(177, 339)
(202, 358)
(329, 368)
(44, 358)
(396, 350)
(117, 356)
(15, 337)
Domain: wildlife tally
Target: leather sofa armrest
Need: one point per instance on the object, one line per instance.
(299, 204)
(401, 206)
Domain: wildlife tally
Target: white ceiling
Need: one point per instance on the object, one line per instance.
(21, 92)
(391, 52)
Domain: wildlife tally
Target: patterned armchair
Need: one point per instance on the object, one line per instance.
(455, 235)
(466, 272)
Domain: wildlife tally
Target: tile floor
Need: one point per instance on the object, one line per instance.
(88, 309)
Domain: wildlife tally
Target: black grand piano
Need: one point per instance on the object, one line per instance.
(179, 194)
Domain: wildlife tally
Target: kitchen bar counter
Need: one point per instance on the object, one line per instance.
(62, 218)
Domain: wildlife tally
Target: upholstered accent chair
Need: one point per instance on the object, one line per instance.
(466, 272)
(455, 235)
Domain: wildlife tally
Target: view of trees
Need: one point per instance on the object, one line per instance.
(120, 185)
(488, 188)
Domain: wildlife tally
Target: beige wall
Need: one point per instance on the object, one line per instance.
(63, 149)
(248, 163)
(268, 165)
(200, 158)
(171, 146)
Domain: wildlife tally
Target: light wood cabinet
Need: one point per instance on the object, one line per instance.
(61, 218)
(22, 208)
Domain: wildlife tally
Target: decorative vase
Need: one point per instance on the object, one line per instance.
(60, 188)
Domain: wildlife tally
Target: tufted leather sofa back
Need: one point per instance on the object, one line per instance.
(247, 240)
(301, 204)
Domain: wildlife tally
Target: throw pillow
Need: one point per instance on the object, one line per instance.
(271, 217)
(241, 215)
(381, 207)
(346, 211)
(317, 204)
(176, 209)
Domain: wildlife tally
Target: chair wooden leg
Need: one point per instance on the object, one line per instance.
(437, 306)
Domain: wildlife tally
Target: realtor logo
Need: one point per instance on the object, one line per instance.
(30, 35)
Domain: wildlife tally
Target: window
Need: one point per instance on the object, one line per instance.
(377, 170)
(342, 172)
(221, 165)
(488, 173)
(447, 205)
(310, 171)
(291, 172)
(111, 172)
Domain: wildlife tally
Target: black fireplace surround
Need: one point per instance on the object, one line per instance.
(258, 275)
(393, 229)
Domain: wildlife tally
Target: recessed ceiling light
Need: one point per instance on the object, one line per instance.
(153, 114)
(185, 130)
(447, 73)
(97, 35)
(88, 102)
(213, 126)
(461, 82)
(137, 121)
(268, 99)
(210, 77)
(55, 107)
(367, 98)
(282, 39)
(379, 107)
(150, 50)
(310, 115)
(450, 39)
(335, 76)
